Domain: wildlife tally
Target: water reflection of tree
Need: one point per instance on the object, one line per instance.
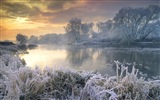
(147, 62)
(77, 56)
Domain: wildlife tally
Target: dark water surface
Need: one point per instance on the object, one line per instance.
(95, 58)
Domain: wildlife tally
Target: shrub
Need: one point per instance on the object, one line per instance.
(120, 87)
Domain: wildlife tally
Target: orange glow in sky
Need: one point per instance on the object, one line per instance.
(39, 17)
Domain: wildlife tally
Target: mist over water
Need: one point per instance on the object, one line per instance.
(94, 58)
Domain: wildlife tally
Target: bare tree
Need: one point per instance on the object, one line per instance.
(78, 31)
(86, 30)
(137, 23)
(104, 27)
(73, 29)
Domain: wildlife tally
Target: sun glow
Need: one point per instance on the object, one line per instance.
(21, 19)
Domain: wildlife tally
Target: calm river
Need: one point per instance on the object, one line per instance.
(94, 59)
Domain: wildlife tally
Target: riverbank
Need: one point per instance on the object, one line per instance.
(121, 44)
(20, 82)
(10, 47)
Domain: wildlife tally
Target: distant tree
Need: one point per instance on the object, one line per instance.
(49, 38)
(78, 31)
(104, 27)
(137, 23)
(86, 30)
(21, 38)
(73, 29)
(33, 39)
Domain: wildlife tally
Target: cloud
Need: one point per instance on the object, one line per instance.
(57, 5)
(15, 9)
(61, 10)
(37, 10)
(18, 9)
(63, 4)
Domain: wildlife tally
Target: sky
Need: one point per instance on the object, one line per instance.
(39, 17)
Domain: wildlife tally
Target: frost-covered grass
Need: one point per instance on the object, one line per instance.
(124, 86)
(18, 82)
(26, 84)
(10, 62)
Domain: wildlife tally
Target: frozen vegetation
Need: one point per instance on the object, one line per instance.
(8, 49)
(18, 82)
